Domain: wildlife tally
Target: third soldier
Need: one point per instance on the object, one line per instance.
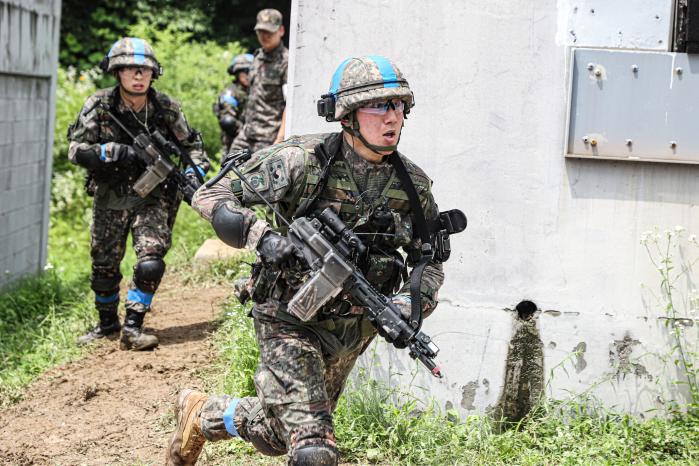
(265, 110)
(230, 106)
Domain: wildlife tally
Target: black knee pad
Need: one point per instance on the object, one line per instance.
(105, 286)
(320, 454)
(229, 226)
(147, 274)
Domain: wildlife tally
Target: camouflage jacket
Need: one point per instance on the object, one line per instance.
(359, 191)
(265, 106)
(94, 129)
(231, 101)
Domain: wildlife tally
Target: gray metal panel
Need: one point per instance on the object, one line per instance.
(647, 114)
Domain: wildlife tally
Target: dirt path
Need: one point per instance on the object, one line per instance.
(114, 407)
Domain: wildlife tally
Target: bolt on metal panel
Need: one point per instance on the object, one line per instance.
(633, 106)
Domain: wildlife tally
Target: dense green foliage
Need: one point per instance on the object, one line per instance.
(88, 29)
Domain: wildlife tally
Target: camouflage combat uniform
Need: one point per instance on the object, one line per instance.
(303, 366)
(266, 102)
(231, 101)
(117, 209)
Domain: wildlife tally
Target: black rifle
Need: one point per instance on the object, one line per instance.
(330, 249)
(153, 150)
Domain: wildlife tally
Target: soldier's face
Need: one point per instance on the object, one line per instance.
(381, 129)
(270, 40)
(243, 78)
(135, 79)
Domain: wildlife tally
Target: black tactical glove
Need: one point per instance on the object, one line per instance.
(278, 251)
(192, 178)
(123, 154)
(403, 305)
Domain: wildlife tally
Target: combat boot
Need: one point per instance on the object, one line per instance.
(108, 326)
(132, 335)
(187, 441)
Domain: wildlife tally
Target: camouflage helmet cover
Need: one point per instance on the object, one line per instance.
(358, 81)
(242, 62)
(132, 51)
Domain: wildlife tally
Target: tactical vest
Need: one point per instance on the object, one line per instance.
(385, 225)
(121, 179)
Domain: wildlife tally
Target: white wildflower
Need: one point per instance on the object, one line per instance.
(48, 266)
(679, 229)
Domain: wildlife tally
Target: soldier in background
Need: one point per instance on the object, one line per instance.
(303, 366)
(266, 107)
(230, 106)
(98, 144)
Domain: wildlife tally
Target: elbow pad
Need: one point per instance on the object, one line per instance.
(229, 226)
(88, 158)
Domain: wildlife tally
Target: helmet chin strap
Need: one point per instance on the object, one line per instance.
(353, 129)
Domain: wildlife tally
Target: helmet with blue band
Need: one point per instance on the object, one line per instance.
(242, 62)
(361, 80)
(131, 51)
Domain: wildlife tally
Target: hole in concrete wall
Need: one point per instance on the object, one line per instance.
(524, 368)
(525, 309)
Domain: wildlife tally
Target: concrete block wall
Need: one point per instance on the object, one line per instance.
(29, 41)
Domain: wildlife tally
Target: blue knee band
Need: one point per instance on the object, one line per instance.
(139, 296)
(107, 299)
(228, 417)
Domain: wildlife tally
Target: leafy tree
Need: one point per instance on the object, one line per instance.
(221, 21)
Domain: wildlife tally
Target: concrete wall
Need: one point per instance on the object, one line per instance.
(490, 82)
(28, 59)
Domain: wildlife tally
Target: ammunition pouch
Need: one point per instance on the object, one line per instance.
(448, 223)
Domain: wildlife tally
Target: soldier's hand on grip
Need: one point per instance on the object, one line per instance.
(122, 154)
(278, 251)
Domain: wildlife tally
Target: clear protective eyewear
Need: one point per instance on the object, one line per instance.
(134, 70)
(380, 108)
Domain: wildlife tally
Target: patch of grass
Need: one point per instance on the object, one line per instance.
(39, 320)
(372, 428)
(237, 350)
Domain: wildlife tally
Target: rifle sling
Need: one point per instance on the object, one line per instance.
(423, 232)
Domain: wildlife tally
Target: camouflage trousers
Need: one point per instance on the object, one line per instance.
(243, 142)
(151, 230)
(298, 385)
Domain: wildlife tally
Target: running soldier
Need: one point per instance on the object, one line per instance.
(230, 106)
(100, 145)
(265, 111)
(304, 365)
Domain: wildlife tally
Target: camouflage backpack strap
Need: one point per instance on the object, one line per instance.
(326, 153)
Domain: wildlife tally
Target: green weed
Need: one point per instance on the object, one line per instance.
(39, 320)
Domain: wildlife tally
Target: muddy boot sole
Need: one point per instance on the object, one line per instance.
(187, 441)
